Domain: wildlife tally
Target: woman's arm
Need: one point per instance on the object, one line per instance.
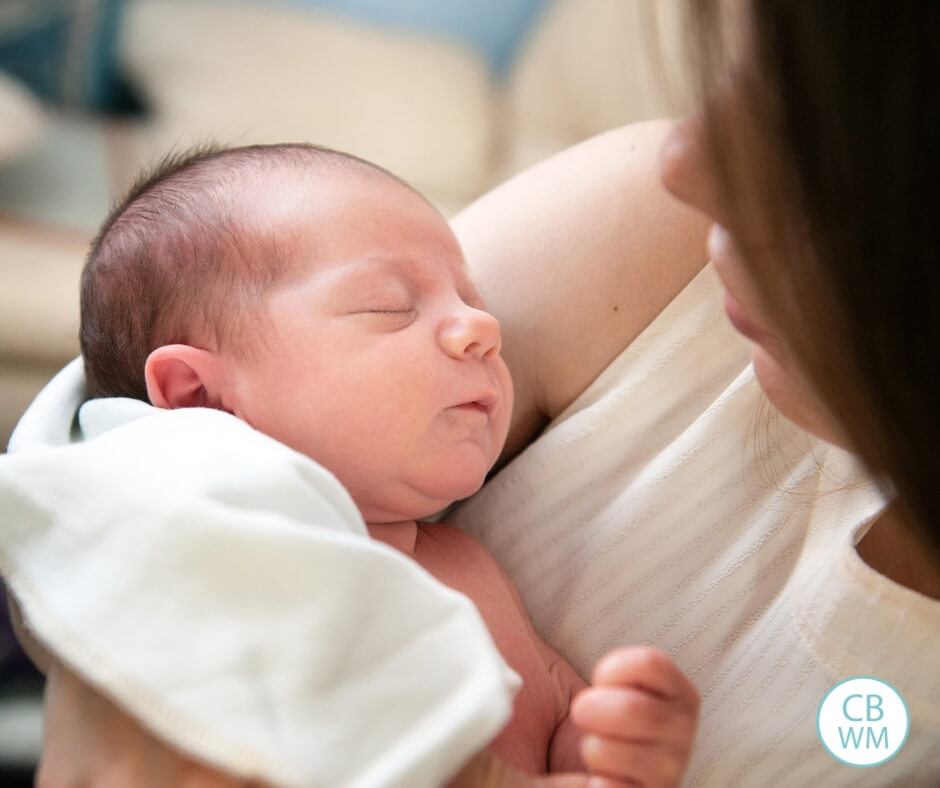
(87, 740)
(576, 256)
(90, 741)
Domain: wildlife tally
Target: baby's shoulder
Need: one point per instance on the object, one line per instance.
(446, 550)
(441, 536)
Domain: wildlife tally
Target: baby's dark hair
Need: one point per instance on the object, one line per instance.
(177, 260)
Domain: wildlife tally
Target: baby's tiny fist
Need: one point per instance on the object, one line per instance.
(639, 718)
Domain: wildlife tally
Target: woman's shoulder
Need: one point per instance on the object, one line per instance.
(576, 256)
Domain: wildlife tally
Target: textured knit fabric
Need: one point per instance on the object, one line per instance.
(670, 505)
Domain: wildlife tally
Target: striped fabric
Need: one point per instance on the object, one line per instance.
(669, 505)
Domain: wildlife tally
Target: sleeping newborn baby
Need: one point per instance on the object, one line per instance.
(327, 304)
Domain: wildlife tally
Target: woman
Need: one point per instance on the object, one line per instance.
(802, 156)
(816, 162)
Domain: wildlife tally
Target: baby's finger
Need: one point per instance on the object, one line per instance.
(631, 714)
(632, 764)
(600, 781)
(646, 668)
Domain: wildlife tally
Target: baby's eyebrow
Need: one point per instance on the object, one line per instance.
(363, 273)
(365, 267)
(411, 273)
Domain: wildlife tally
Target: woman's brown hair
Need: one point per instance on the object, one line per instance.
(839, 105)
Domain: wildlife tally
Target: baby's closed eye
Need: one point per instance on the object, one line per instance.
(387, 316)
(386, 310)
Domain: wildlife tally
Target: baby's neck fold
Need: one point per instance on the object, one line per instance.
(402, 536)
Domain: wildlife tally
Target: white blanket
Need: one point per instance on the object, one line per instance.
(223, 589)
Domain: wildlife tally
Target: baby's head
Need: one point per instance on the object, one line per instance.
(187, 256)
(316, 297)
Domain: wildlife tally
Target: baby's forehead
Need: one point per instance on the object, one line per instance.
(346, 217)
(290, 195)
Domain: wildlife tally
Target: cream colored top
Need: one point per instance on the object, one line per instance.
(670, 505)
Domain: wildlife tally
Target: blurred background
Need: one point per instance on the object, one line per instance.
(452, 95)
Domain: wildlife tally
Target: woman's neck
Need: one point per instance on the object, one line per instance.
(890, 548)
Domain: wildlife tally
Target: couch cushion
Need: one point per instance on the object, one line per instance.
(495, 28)
(21, 118)
(590, 66)
(64, 179)
(39, 292)
(242, 73)
(38, 311)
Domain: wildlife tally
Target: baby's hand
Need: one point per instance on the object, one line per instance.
(639, 719)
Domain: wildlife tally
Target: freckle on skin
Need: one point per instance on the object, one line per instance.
(616, 308)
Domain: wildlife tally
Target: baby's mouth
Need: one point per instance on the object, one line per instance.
(485, 402)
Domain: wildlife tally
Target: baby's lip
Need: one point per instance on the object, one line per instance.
(486, 401)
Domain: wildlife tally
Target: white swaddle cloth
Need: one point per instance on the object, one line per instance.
(224, 590)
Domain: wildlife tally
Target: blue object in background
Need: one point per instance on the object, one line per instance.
(495, 28)
(64, 51)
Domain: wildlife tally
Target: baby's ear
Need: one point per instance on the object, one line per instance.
(183, 376)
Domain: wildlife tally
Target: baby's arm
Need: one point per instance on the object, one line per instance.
(565, 747)
(88, 740)
(634, 725)
(639, 719)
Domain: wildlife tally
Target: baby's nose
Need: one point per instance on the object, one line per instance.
(472, 333)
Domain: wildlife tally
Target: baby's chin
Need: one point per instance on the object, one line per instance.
(418, 502)
(457, 489)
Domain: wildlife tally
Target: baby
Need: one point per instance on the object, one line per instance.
(326, 303)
